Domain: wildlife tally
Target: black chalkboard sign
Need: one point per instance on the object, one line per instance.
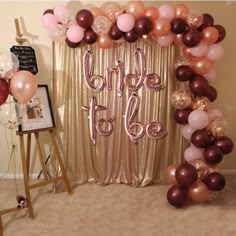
(26, 57)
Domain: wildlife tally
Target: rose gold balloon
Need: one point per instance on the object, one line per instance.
(187, 53)
(201, 65)
(181, 11)
(104, 41)
(200, 103)
(194, 19)
(178, 39)
(152, 13)
(201, 167)
(210, 35)
(96, 11)
(161, 27)
(23, 86)
(135, 8)
(170, 174)
(198, 192)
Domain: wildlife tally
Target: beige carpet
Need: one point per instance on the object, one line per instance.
(118, 210)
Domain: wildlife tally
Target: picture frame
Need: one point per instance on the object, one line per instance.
(37, 114)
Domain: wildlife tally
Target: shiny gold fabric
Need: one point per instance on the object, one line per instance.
(115, 159)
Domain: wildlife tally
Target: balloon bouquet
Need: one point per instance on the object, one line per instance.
(21, 85)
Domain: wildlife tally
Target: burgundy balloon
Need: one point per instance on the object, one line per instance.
(181, 115)
(199, 85)
(211, 93)
(48, 11)
(178, 25)
(72, 44)
(208, 20)
(177, 195)
(222, 33)
(90, 36)
(186, 174)
(215, 181)
(143, 25)
(191, 38)
(115, 33)
(4, 91)
(184, 73)
(131, 36)
(225, 144)
(200, 138)
(84, 18)
(213, 155)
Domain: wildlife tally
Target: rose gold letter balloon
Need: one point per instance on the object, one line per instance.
(23, 86)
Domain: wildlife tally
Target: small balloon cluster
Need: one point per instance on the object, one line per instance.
(21, 201)
(166, 25)
(21, 85)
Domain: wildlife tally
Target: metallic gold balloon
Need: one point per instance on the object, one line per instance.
(201, 167)
(181, 99)
(200, 103)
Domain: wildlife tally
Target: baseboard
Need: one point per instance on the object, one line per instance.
(35, 176)
(228, 172)
(16, 176)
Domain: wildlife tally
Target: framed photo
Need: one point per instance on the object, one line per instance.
(37, 113)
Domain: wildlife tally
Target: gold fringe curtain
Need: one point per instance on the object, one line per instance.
(115, 159)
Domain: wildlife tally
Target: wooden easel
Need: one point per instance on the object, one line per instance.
(25, 157)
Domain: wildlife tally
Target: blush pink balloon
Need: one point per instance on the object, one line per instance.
(167, 11)
(198, 119)
(125, 22)
(166, 40)
(193, 153)
(49, 21)
(216, 52)
(214, 113)
(210, 75)
(187, 131)
(200, 50)
(60, 12)
(75, 33)
(23, 86)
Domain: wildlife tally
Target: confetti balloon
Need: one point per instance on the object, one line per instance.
(9, 64)
(101, 25)
(181, 99)
(113, 11)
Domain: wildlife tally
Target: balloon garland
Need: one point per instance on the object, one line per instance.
(199, 37)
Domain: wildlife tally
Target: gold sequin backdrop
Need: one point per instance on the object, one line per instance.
(115, 159)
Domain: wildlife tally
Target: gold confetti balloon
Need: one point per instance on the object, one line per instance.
(113, 11)
(201, 167)
(181, 99)
(200, 103)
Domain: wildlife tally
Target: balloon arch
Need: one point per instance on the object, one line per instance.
(198, 36)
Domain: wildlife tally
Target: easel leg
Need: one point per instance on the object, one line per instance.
(64, 174)
(26, 177)
(28, 152)
(40, 156)
(1, 226)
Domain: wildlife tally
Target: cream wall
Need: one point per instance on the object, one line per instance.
(30, 12)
